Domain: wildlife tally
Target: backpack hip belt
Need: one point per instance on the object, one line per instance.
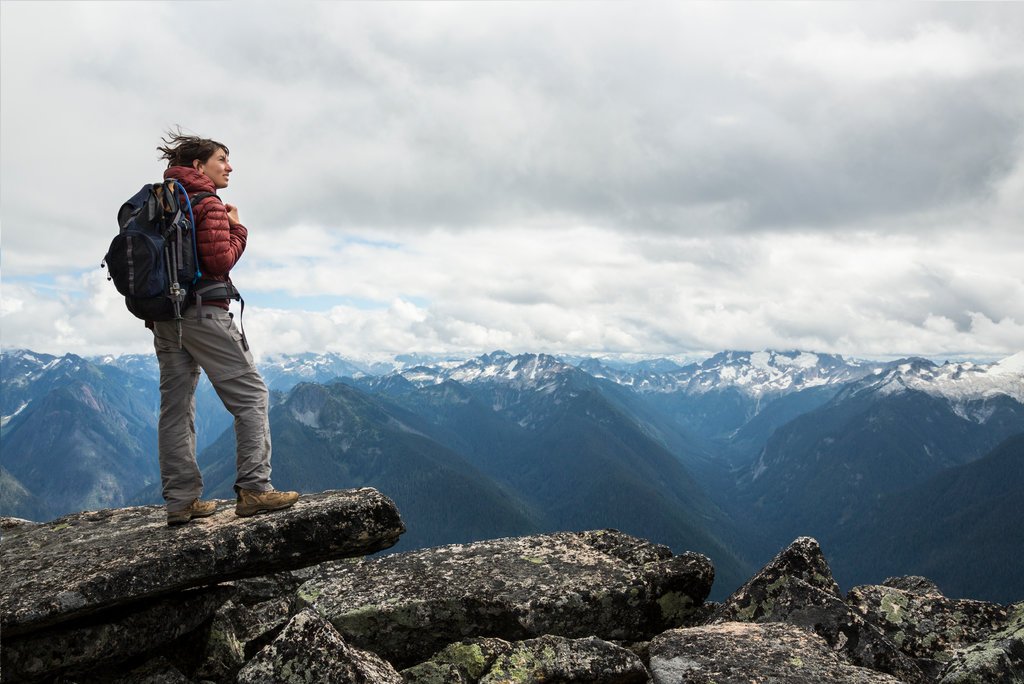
(219, 290)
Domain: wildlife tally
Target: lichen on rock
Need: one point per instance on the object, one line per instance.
(746, 652)
(999, 658)
(558, 659)
(310, 651)
(109, 637)
(86, 562)
(410, 605)
(925, 624)
(545, 659)
(797, 588)
(464, 662)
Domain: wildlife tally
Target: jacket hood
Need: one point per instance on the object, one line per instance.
(192, 180)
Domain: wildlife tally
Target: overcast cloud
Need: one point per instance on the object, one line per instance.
(599, 178)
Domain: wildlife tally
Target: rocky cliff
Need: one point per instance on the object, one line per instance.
(116, 596)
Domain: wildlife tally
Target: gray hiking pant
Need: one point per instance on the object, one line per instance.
(212, 343)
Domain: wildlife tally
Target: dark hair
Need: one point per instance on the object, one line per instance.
(180, 149)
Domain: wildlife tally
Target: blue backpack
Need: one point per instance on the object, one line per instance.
(152, 260)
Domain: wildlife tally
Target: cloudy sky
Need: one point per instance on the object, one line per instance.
(588, 178)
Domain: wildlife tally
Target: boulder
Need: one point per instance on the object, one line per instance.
(915, 584)
(743, 652)
(797, 588)
(999, 658)
(223, 653)
(558, 659)
(156, 671)
(255, 590)
(606, 584)
(88, 562)
(309, 651)
(545, 659)
(923, 623)
(110, 637)
(801, 560)
(260, 607)
(8, 523)
(460, 663)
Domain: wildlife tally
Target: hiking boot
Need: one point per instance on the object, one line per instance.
(196, 509)
(251, 502)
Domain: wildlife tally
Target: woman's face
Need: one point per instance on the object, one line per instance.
(216, 168)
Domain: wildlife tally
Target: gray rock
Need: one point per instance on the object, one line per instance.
(86, 562)
(238, 631)
(431, 672)
(915, 584)
(241, 627)
(545, 659)
(223, 653)
(733, 652)
(631, 550)
(557, 659)
(407, 606)
(310, 651)
(252, 623)
(1000, 658)
(156, 671)
(797, 588)
(255, 590)
(926, 625)
(460, 663)
(7, 524)
(108, 637)
(802, 560)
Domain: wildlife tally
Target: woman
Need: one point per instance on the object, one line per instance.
(211, 341)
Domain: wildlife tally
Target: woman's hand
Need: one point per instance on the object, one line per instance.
(232, 214)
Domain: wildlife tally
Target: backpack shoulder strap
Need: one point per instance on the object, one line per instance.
(200, 196)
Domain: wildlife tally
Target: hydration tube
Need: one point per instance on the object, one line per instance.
(192, 224)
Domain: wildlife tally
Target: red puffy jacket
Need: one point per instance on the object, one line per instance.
(220, 245)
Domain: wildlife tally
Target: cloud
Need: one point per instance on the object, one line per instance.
(586, 291)
(931, 51)
(79, 314)
(565, 177)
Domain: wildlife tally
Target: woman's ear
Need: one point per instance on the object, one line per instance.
(196, 164)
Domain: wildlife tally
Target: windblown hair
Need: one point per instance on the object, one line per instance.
(180, 149)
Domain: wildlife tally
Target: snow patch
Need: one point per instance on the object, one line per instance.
(1011, 365)
(967, 381)
(7, 419)
(760, 468)
(806, 360)
(308, 418)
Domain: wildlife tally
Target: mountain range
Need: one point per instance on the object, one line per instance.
(733, 456)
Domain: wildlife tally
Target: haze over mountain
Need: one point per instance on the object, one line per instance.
(881, 435)
(960, 527)
(733, 456)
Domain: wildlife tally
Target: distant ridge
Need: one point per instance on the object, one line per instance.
(731, 456)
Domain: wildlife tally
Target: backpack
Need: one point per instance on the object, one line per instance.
(153, 260)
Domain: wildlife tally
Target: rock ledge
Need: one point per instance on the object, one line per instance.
(87, 562)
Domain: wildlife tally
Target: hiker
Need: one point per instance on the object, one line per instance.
(209, 339)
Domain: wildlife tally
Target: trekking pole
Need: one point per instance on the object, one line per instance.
(175, 256)
(175, 293)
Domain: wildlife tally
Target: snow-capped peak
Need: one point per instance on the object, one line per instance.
(962, 381)
(500, 367)
(755, 374)
(769, 359)
(1011, 365)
